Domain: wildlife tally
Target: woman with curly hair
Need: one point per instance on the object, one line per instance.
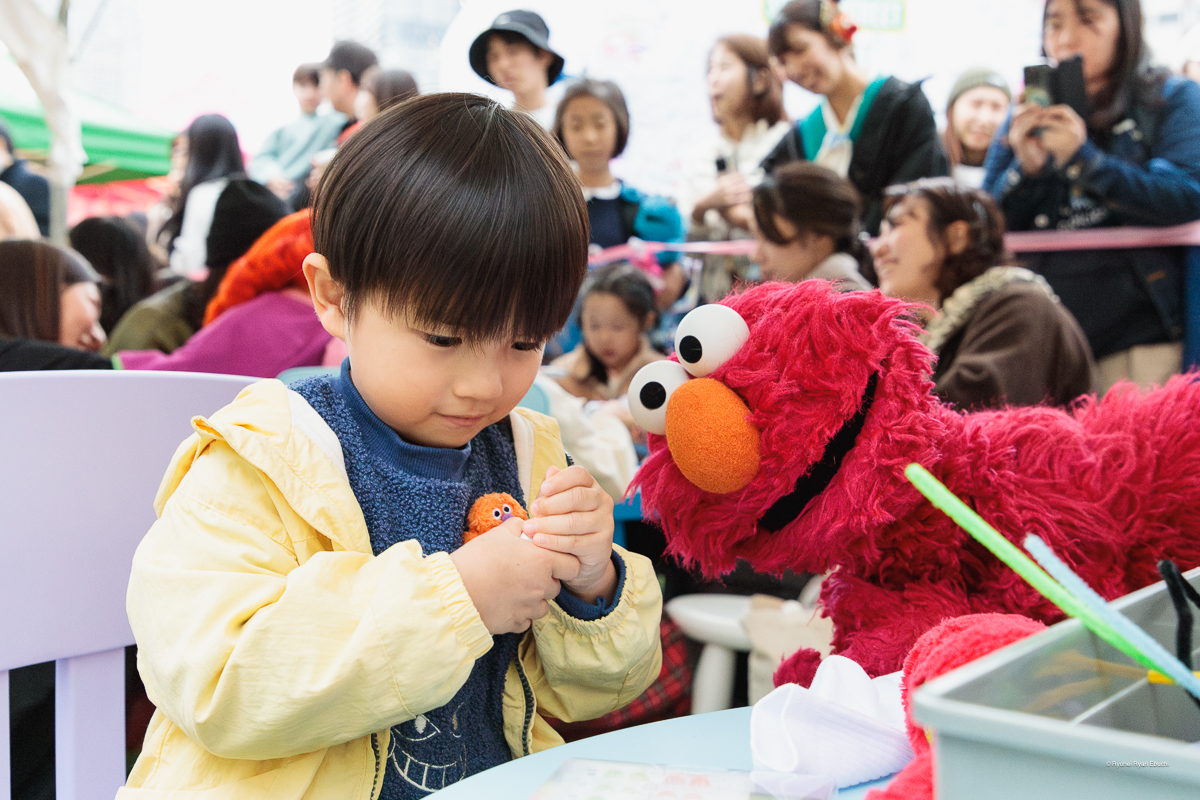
(1000, 334)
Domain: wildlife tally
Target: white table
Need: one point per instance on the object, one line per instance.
(720, 740)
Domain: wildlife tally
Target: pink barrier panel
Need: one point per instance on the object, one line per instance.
(637, 248)
(1103, 239)
(1019, 242)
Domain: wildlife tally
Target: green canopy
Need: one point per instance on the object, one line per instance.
(119, 147)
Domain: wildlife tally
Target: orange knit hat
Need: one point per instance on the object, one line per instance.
(272, 263)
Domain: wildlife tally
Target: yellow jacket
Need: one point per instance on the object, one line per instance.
(279, 650)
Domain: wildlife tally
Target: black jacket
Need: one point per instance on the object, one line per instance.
(34, 189)
(899, 143)
(24, 355)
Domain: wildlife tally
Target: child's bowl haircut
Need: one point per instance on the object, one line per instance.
(451, 210)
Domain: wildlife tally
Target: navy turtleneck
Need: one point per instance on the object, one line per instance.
(435, 463)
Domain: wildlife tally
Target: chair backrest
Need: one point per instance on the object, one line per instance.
(536, 399)
(82, 454)
(290, 376)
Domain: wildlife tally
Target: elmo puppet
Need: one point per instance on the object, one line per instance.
(781, 435)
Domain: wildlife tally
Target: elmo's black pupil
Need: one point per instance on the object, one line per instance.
(690, 349)
(653, 395)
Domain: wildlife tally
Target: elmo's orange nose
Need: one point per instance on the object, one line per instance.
(710, 436)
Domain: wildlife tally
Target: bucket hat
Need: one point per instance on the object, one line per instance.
(525, 23)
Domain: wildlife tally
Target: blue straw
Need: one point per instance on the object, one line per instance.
(1058, 569)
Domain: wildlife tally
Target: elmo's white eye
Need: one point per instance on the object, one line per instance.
(507, 508)
(708, 337)
(649, 392)
(496, 513)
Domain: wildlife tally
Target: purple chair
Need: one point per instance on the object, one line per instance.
(81, 456)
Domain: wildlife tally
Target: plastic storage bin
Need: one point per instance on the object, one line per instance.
(1063, 715)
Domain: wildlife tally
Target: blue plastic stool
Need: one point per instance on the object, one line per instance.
(626, 511)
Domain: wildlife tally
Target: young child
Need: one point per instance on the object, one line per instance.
(309, 623)
(616, 313)
(592, 123)
(806, 221)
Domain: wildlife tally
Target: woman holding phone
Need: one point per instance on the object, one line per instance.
(1133, 159)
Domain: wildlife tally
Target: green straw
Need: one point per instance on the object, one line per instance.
(1022, 564)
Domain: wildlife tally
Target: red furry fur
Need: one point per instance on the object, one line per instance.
(275, 261)
(1112, 486)
(941, 649)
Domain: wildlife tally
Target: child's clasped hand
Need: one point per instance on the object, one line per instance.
(572, 514)
(511, 580)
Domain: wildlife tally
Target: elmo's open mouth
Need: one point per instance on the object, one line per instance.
(812, 483)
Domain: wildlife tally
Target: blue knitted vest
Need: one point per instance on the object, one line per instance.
(406, 493)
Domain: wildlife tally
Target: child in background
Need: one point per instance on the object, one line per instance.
(381, 89)
(616, 314)
(308, 619)
(592, 122)
(806, 220)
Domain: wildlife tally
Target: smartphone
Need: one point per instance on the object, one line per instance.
(1069, 87)
(1039, 84)
(1049, 86)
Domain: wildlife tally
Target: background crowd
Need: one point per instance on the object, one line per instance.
(865, 192)
(1126, 159)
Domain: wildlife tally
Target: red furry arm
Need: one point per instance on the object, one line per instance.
(877, 626)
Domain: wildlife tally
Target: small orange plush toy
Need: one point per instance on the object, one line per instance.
(489, 511)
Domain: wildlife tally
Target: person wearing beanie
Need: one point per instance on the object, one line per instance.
(515, 54)
(168, 318)
(977, 106)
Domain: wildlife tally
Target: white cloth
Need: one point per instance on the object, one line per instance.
(191, 246)
(846, 726)
(598, 442)
(836, 148)
(971, 177)
(610, 192)
(744, 155)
